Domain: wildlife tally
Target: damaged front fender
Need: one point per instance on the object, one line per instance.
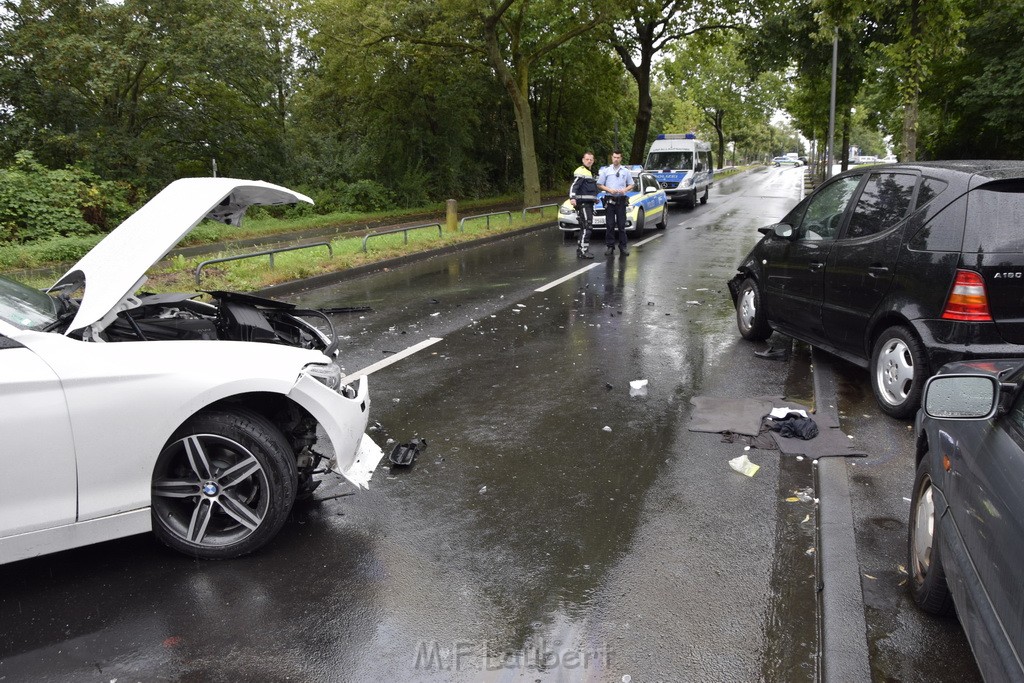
(344, 419)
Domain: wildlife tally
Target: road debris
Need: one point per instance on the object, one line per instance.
(743, 465)
(638, 387)
(404, 454)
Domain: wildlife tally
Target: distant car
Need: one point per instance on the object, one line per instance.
(966, 527)
(125, 412)
(785, 161)
(648, 206)
(899, 269)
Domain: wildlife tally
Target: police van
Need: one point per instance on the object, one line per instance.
(682, 166)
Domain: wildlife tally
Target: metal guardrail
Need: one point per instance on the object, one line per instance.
(268, 252)
(373, 233)
(539, 206)
(462, 223)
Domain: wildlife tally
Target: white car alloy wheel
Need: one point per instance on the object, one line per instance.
(224, 486)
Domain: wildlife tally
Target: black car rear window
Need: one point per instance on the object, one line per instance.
(929, 189)
(884, 202)
(995, 214)
(944, 231)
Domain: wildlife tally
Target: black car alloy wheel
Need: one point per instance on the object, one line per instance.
(899, 369)
(223, 485)
(751, 318)
(927, 579)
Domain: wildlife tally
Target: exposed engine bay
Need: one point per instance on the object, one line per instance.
(230, 316)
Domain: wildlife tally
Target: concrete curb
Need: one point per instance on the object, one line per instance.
(844, 649)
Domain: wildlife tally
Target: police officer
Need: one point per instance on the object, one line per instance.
(616, 180)
(582, 195)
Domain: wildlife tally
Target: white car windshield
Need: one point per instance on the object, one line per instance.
(25, 307)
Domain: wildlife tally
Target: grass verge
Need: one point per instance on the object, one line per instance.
(255, 273)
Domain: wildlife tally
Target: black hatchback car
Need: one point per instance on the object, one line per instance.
(898, 268)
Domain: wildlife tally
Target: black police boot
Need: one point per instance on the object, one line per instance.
(609, 250)
(583, 253)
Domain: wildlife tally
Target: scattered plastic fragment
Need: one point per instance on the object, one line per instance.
(606, 428)
(638, 387)
(805, 519)
(693, 303)
(743, 465)
(869, 577)
(792, 499)
(483, 489)
(772, 353)
(435, 314)
(804, 495)
(404, 454)
(608, 386)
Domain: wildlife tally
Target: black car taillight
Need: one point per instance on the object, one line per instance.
(968, 300)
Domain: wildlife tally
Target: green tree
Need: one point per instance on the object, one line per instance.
(711, 72)
(146, 90)
(648, 30)
(513, 36)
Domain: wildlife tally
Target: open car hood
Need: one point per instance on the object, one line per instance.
(115, 268)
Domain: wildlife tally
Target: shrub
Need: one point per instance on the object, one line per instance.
(37, 203)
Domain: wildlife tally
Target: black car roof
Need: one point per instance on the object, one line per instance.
(994, 169)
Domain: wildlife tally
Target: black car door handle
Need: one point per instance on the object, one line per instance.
(877, 271)
(816, 265)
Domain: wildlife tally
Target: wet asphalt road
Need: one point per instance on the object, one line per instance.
(527, 543)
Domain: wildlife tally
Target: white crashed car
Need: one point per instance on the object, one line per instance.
(126, 412)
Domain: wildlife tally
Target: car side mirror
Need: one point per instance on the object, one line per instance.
(650, 190)
(961, 397)
(700, 167)
(784, 230)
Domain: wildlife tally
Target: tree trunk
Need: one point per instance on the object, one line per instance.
(645, 106)
(719, 117)
(846, 141)
(517, 87)
(910, 130)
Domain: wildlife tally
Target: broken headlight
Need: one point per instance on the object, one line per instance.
(328, 374)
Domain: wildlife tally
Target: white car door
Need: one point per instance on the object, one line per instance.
(38, 480)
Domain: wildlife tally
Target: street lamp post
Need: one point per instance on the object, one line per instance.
(830, 142)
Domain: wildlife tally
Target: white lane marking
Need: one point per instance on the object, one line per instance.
(648, 239)
(570, 276)
(393, 358)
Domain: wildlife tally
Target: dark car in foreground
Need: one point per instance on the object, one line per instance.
(967, 509)
(898, 268)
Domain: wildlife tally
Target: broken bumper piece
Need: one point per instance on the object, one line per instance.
(368, 456)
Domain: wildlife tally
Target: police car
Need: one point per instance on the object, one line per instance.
(648, 206)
